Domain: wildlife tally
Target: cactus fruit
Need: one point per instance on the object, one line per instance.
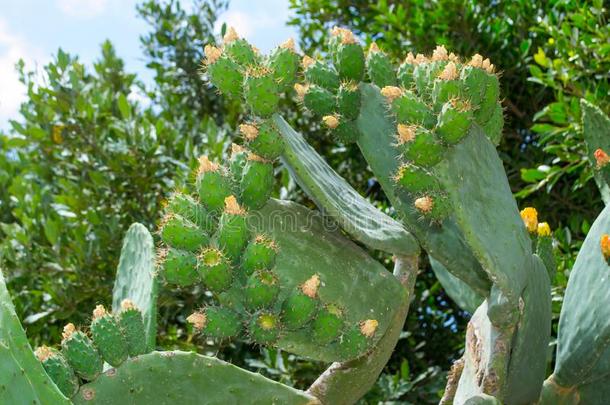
(454, 121)
(80, 353)
(263, 139)
(421, 147)
(131, 322)
(319, 74)
(180, 233)
(237, 162)
(233, 231)
(216, 322)
(344, 130)
(416, 179)
(301, 306)
(261, 91)
(58, 369)
(256, 182)
(348, 100)
(379, 67)
(317, 99)
(238, 49)
(348, 56)
(212, 183)
(223, 72)
(409, 109)
(327, 325)
(261, 289)
(260, 254)
(215, 270)
(185, 206)
(108, 337)
(601, 158)
(404, 74)
(264, 328)
(178, 266)
(284, 63)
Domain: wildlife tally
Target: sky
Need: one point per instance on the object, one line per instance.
(33, 30)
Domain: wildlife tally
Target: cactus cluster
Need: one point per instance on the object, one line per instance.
(428, 128)
(207, 238)
(114, 338)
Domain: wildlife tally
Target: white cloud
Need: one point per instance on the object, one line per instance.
(12, 92)
(82, 8)
(244, 24)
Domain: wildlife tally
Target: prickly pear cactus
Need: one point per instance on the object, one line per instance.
(285, 276)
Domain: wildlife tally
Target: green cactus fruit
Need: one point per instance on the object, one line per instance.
(409, 109)
(223, 72)
(256, 182)
(264, 328)
(108, 337)
(344, 130)
(420, 145)
(356, 339)
(405, 72)
(416, 179)
(264, 139)
(435, 206)
(348, 100)
(327, 325)
(261, 91)
(260, 254)
(301, 306)
(489, 101)
(493, 127)
(424, 75)
(454, 121)
(481, 87)
(213, 185)
(80, 353)
(239, 49)
(237, 162)
(181, 233)
(284, 63)
(262, 289)
(317, 99)
(233, 233)
(216, 322)
(348, 57)
(58, 369)
(320, 74)
(379, 67)
(178, 267)
(131, 322)
(187, 207)
(215, 270)
(447, 85)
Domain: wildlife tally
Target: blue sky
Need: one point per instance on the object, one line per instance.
(34, 29)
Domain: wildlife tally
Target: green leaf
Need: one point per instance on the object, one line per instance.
(124, 106)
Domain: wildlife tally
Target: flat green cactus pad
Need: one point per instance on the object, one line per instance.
(308, 246)
(335, 197)
(135, 278)
(505, 255)
(22, 377)
(596, 131)
(460, 292)
(169, 378)
(445, 243)
(582, 351)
